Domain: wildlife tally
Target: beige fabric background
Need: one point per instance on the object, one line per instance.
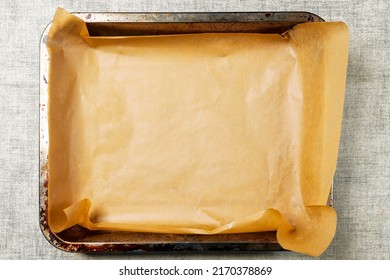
(362, 181)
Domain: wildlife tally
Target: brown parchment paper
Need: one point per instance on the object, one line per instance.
(196, 133)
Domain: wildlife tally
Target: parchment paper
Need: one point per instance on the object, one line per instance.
(196, 133)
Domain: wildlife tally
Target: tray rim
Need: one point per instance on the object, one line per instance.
(142, 17)
(159, 17)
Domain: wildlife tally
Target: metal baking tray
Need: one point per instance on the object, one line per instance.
(79, 239)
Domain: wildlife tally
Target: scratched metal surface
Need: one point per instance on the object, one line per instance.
(78, 239)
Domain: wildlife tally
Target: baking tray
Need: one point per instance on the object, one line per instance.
(79, 239)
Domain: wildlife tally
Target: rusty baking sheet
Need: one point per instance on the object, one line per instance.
(79, 239)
